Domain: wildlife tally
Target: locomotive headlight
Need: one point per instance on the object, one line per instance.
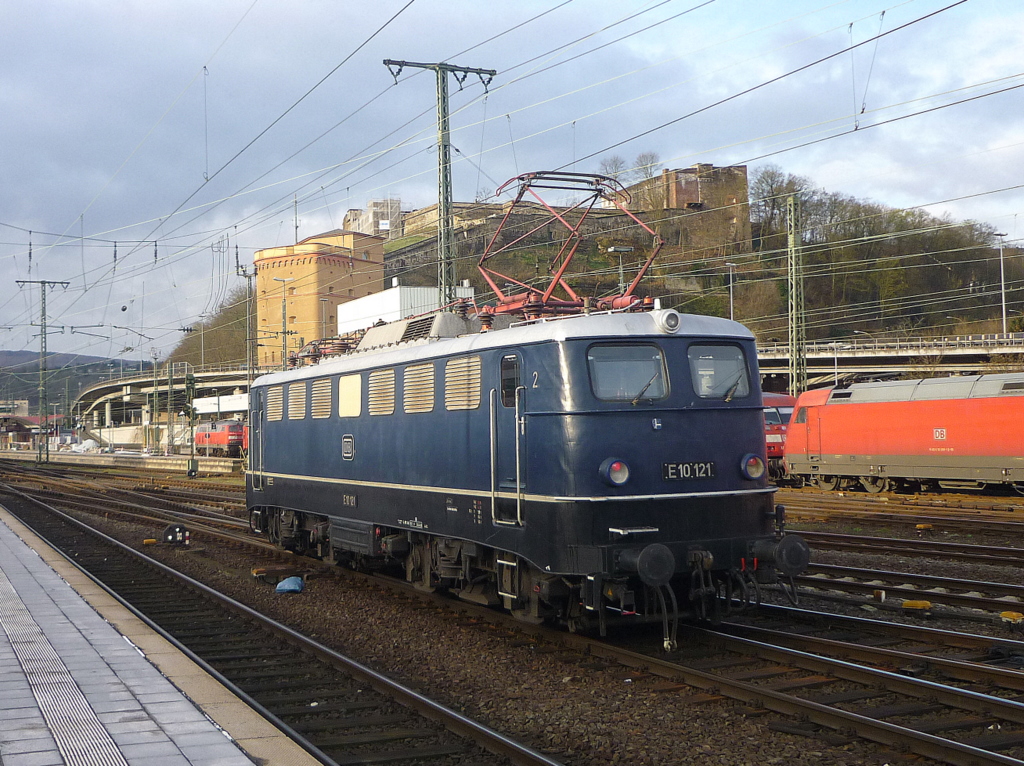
(667, 320)
(752, 467)
(614, 471)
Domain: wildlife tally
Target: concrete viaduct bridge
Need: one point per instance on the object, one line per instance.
(867, 357)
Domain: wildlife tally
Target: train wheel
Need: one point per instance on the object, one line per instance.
(829, 483)
(874, 484)
(1019, 487)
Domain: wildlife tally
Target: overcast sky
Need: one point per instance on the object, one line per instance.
(195, 125)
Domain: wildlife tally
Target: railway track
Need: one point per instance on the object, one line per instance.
(918, 639)
(949, 591)
(340, 711)
(961, 717)
(957, 513)
(955, 709)
(923, 546)
(833, 690)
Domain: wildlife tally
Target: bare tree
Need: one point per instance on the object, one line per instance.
(647, 192)
(613, 167)
(646, 165)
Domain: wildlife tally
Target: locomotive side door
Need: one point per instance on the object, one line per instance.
(813, 434)
(256, 438)
(508, 476)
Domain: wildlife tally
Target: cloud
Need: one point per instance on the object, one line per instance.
(116, 126)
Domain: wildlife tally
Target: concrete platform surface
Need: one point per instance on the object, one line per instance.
(85, 682)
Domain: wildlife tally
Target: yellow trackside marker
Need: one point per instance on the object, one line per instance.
(150, 541)
(1015, 618)
(922, 606)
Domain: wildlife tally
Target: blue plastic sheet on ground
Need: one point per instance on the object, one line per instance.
(290, 585)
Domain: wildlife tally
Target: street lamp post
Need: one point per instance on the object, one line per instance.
(867, 335)
(835, 359)
(731, 267)
(622, 278)
(284, 321)
(1002, 278)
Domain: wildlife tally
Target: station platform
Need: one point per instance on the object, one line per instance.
(83, 681)
(171, 463)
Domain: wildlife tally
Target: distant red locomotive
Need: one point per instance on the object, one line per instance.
(958, 433)
(224, 438)
(778, 409)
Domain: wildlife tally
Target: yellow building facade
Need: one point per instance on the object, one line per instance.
(299, 288)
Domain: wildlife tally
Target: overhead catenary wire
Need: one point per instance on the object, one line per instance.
(149, 236)
(321, 194)
(770, 81)
(566, 45)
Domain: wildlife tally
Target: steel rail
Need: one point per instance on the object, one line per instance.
(824, 577)
(489, 739)
(1004, 678)
(947, 638)
(879, 731)
(928, 745)
(988, 554)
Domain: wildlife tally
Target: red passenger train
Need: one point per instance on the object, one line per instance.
(958, 433)
(778, 409)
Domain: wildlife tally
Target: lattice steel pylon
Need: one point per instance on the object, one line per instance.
(43, 446)
(445, 259)
(797, 319)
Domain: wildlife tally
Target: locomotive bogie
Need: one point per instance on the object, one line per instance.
(568, 470)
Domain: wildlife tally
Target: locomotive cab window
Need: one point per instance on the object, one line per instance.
(631, 372)
(719, 372)
(509, 379)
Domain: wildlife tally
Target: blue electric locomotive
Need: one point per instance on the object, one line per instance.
(580, 468)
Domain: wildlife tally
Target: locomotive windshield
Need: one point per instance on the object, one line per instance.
(777, 416)
(627, 372)
(719, 372)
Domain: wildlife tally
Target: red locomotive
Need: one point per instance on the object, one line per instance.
(224, 438)
(778, 409)
(958, 433)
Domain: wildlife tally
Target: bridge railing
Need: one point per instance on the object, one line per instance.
(1010, 342)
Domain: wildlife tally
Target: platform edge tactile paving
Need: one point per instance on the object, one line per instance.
(121, 691)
